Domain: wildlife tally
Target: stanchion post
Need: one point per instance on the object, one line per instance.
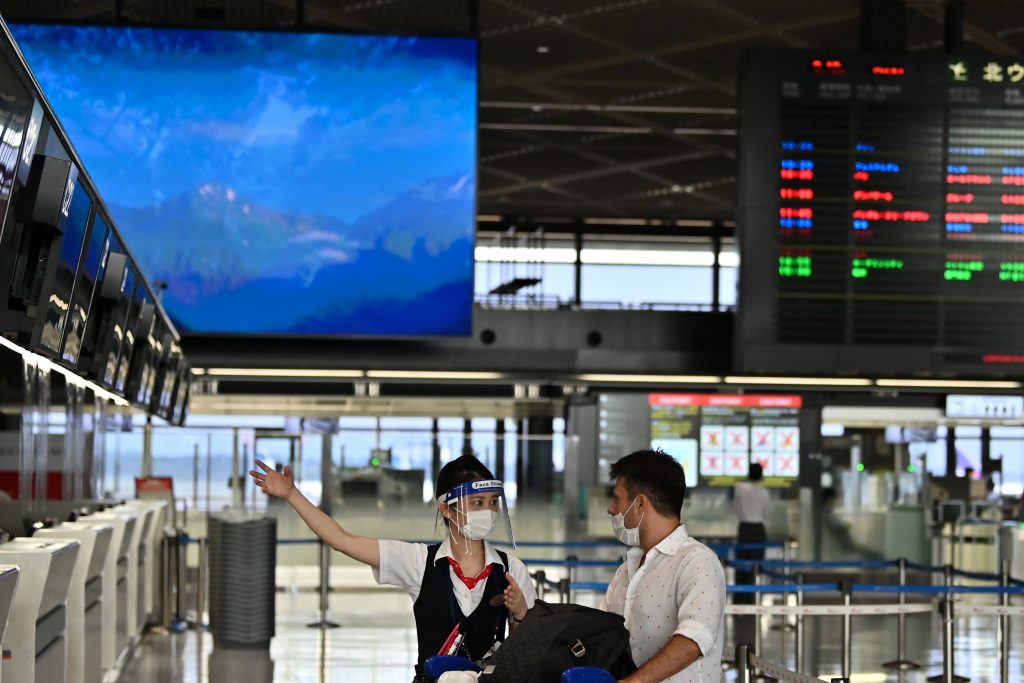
(901, 663)
(847, 590)
(742, 664)
(202, 570)
(165, 576)
(181, 571)
(563, 590)
(799, 658)
(948, 674)
(947, 640)
(757, 617)
(1003, 634)
(325, 573)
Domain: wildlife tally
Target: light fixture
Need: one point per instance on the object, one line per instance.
(525, 255)
(650, 379)
(801, 381)
(543, 49)
(432, 374)
(948, 384)
(69, 377)
(281, 372)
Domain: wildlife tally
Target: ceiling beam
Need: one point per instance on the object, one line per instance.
(592, 174)
(746, 35)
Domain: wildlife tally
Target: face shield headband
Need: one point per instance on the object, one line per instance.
(458, 496)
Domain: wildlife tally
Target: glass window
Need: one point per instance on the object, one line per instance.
(1006, 432)
(417, 423)
(557, 280)
(637, 285)
(451, 424)
(933, 454)
(728, 280)
(357, 422)
(1011, 452)
(968, 455)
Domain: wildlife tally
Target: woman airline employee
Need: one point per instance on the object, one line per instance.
(462, 581)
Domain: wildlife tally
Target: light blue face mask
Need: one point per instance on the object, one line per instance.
(630, 537)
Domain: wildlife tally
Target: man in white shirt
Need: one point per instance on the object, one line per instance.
(671, 588)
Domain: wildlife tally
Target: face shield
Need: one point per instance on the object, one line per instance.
(478, 510)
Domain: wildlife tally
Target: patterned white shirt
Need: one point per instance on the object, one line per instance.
(679, 590)
(403, 564)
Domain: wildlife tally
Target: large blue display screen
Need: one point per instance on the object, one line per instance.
(280, 183)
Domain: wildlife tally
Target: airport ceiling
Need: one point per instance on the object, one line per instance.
(590, 108)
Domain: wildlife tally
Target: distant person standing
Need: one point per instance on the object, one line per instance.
(753, 507)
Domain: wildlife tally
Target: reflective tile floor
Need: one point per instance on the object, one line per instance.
(376, 643)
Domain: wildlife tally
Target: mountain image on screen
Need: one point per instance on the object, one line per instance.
(402, 256)
(280, 183)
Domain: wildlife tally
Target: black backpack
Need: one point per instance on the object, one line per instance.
(556, 637)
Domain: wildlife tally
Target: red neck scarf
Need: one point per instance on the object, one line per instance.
(473, 581)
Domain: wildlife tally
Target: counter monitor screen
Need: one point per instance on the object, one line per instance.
(881, 218)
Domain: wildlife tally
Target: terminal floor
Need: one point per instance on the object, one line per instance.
(376, 643)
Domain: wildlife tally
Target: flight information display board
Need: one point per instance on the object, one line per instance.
(717, 436)
(881, 214)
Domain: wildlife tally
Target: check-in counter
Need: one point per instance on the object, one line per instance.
(85, 598)
(35, 649)
(120, 582)
(150, 557)
(8, 584)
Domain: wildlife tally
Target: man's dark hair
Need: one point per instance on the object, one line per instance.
(756, 472)
(655, 474)
(462, 469)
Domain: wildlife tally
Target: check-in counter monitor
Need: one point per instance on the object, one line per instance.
(123, 560)
(85, 598)
(8, 584)
(35, 649)
(149, 558)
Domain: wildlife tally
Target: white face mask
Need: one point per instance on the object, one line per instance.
(479, 524)
(630, 537)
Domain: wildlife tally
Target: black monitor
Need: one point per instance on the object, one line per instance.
(129, 331)
(141, 367)
(165, 373)
(60, 272)
(20, 119)
(90, 272)
(33, 239)
(182, 394)
(101, 344)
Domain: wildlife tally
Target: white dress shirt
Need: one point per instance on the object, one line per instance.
(752, 503)
(404, 564)
(679, 590)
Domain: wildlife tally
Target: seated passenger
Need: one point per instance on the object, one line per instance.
(671, 588)
(462, 582)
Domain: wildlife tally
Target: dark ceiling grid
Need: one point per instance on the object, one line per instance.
(628, 120)
(577, 129)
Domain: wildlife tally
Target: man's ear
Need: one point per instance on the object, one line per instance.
(643, 504)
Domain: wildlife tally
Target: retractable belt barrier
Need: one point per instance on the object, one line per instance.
(778, 672)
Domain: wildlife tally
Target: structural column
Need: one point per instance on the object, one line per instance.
(499, 448)
(539, 480)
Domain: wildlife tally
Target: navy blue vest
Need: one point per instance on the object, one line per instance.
(437, 611)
